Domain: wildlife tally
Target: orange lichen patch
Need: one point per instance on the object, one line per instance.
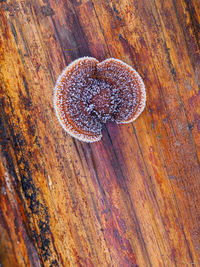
(89, 93)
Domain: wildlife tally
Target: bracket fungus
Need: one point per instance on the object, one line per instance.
(89, 93)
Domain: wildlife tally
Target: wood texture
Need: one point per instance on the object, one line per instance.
(131, 199)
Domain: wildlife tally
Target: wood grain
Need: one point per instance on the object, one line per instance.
(131, 199)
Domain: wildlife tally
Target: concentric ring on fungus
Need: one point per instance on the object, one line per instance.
(89, 93)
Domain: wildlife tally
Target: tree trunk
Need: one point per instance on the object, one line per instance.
(131, 199)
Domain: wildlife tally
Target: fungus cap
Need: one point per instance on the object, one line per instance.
(89, 93)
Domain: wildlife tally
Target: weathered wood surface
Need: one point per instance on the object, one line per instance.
(132, 199)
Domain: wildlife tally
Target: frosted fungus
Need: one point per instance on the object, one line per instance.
(89, 93)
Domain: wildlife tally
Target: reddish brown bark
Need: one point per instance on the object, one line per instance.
(131, 199)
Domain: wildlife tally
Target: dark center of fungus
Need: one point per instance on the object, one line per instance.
(103, 100)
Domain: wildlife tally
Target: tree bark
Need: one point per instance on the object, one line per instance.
(131, 199)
